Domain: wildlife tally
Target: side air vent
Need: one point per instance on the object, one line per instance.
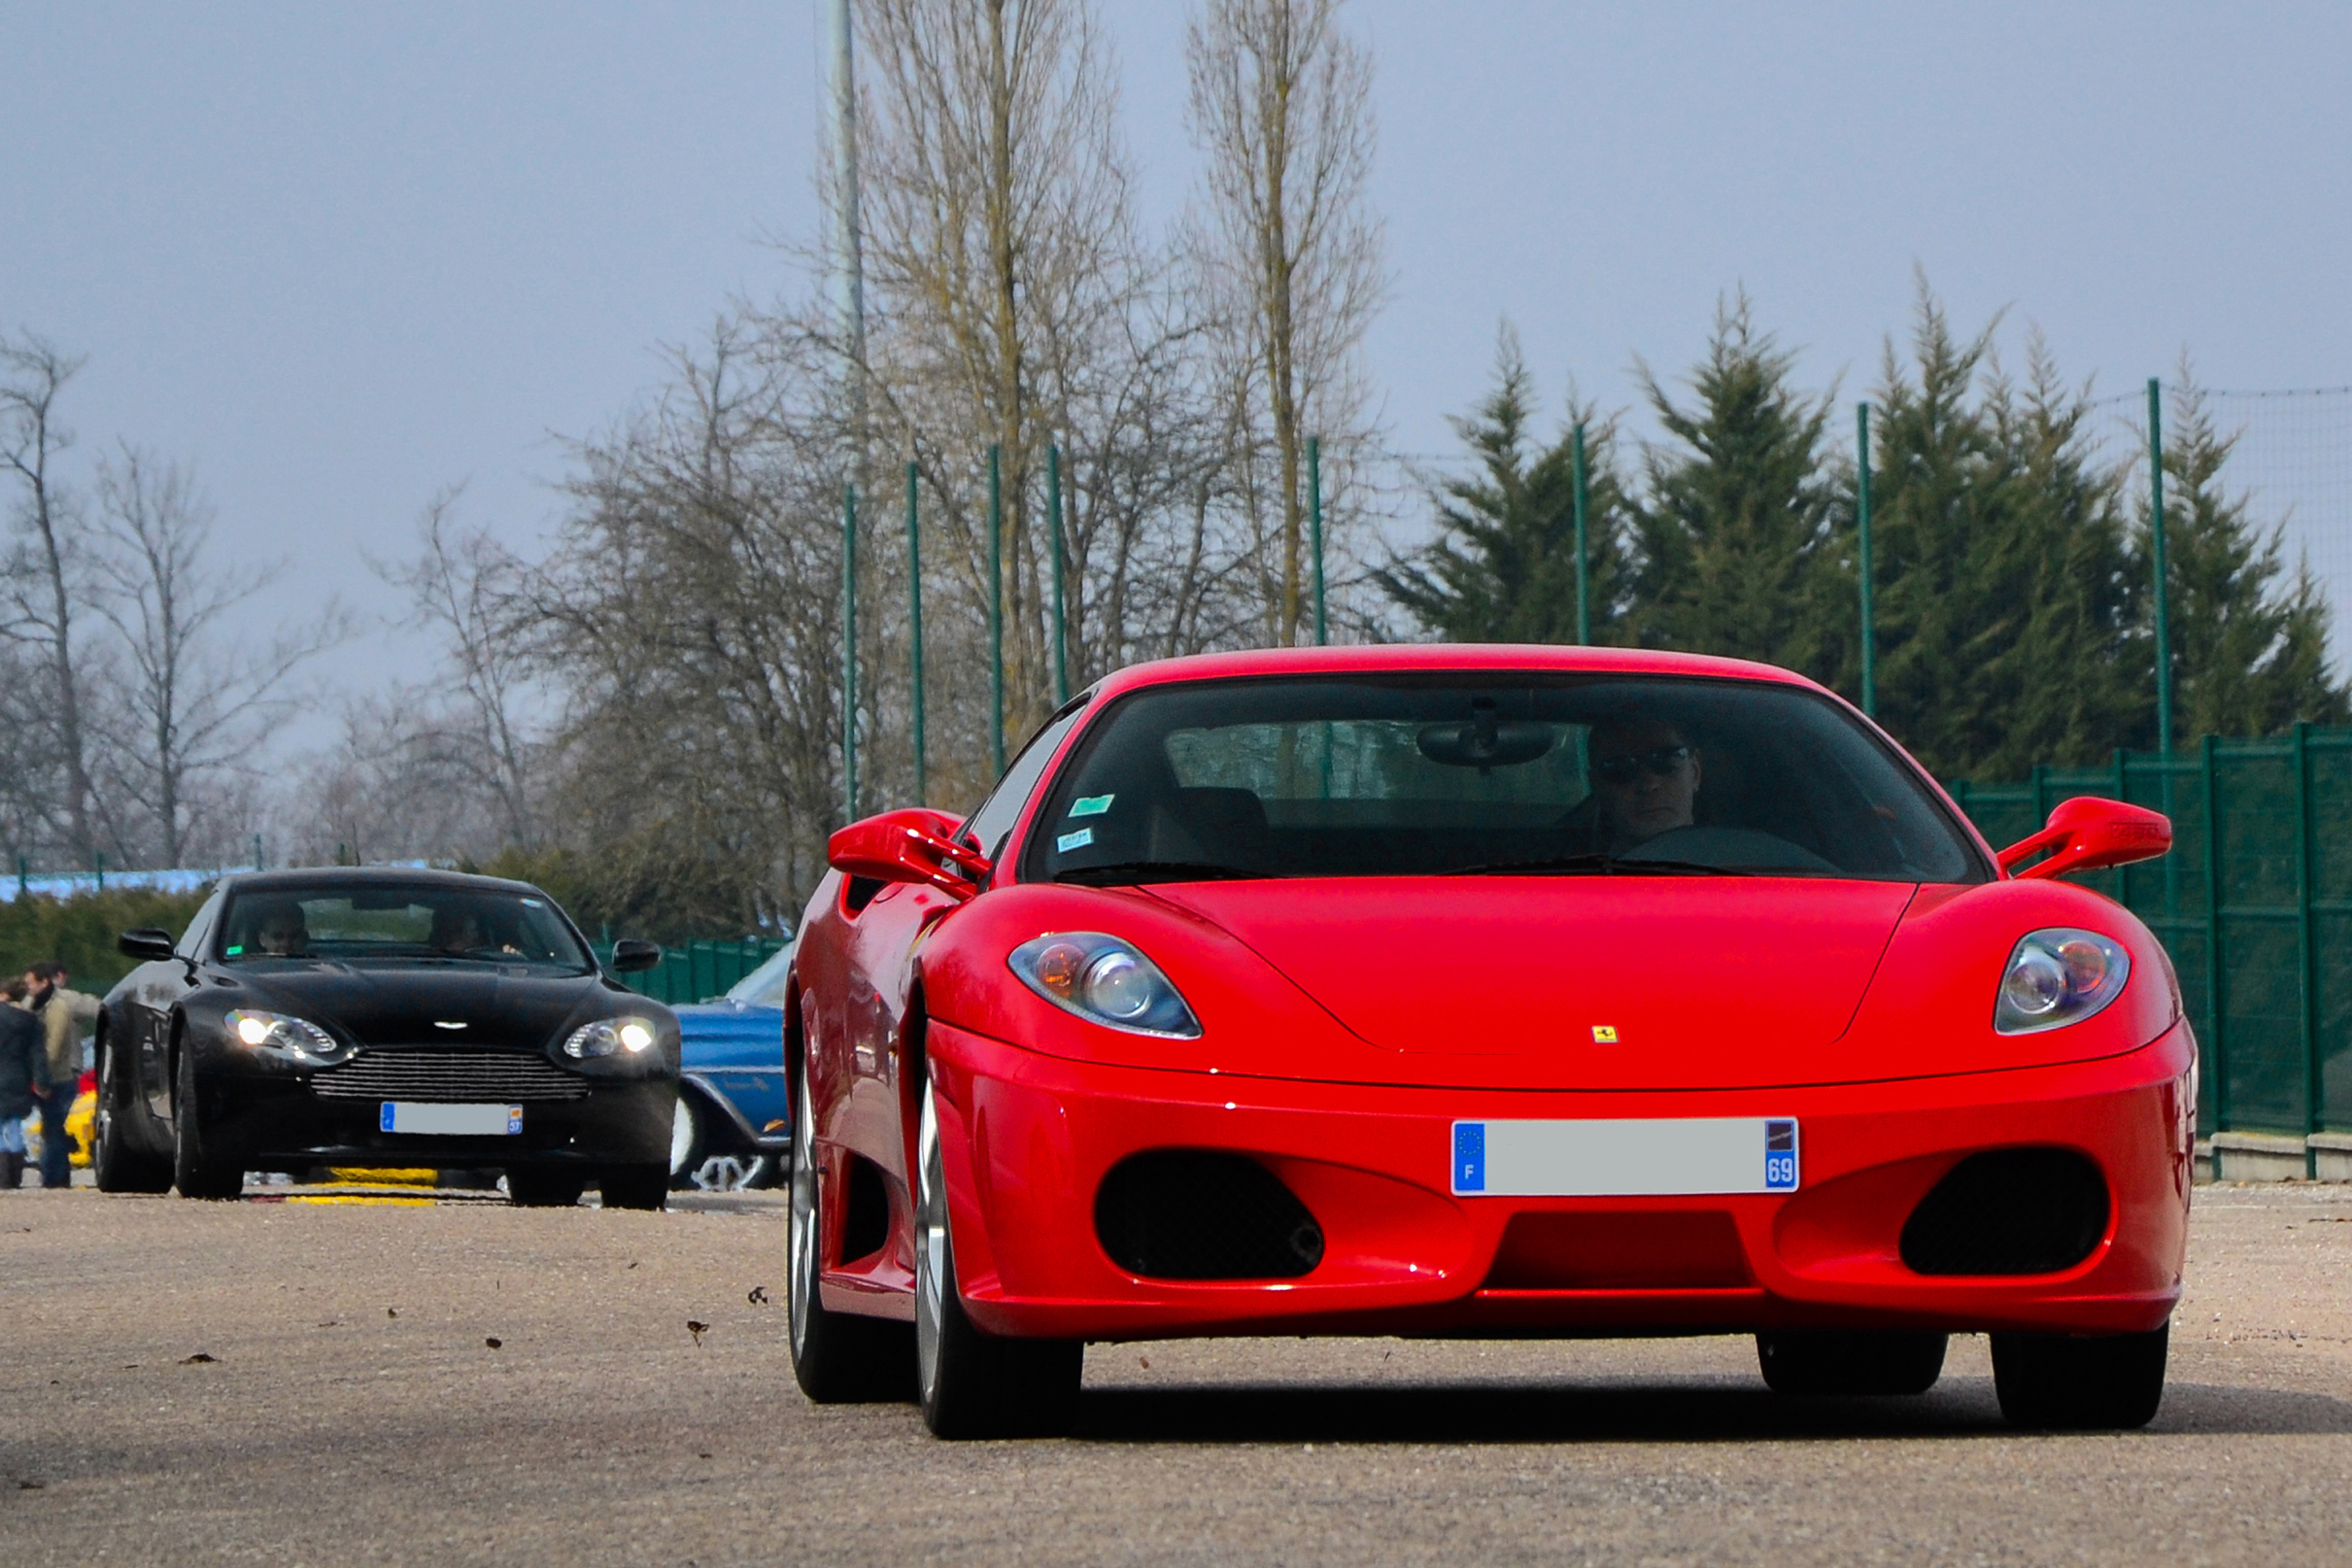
(2016, 1211)
(1191, 1214)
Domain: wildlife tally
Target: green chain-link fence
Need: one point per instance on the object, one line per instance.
(2254, 903)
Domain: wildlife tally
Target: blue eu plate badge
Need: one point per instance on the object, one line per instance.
(1625, 1157)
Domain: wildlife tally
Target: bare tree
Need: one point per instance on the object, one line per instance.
(1281, 108)
(42, 574)
(202, 683)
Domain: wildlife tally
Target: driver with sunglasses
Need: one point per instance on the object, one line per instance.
(1645, 780)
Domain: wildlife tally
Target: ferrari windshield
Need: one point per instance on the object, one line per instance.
(425, 923)
(1500, 773)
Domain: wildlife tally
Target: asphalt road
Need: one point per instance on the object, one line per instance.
(332, 1383)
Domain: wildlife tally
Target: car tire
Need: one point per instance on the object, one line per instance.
(527, 1188)
(199, 1167)
(687, 1142)
(2080, 1382)
(837, 1358)
(633, 1186)
(117, 1165)
(1851, 1361)
(972, 1384)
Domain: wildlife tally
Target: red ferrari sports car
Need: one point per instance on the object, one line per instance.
(1463, 991)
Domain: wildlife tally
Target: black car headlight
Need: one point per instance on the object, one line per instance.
(612, 1036)
(1105, 981)
(2058, 976)
(285, 1037)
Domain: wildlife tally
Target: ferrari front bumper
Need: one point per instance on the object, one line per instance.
(1028, 1138)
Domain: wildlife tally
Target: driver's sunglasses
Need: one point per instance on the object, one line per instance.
(1661, 762)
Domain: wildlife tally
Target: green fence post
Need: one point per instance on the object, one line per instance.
(2218, 1046)
(24, 876)
(2156, 547)
(1862, 521)
(914, 623)
(996, 610)
(1583, 543)
(2307, 947)
(1061, 623)
(849, 651)
(1315, 527)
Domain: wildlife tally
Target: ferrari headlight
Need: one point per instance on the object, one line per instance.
(612, 1036)
(284, 1036)
(2058, 976)
(1106, 981)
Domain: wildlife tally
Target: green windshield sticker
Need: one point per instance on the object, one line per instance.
(234, 951)
(1075, 840)
(1091, 805)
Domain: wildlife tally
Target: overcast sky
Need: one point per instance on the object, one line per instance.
(342, 255)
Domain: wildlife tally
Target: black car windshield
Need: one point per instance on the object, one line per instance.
(405, 924)
(1489, 774)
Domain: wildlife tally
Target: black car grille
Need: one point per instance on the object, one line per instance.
(1190, 1214)
(439, 1072)
(2013, 1211)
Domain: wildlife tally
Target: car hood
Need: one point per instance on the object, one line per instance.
(1611, 982)
(412, 1005)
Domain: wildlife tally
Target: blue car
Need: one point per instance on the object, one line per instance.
(733, 1127)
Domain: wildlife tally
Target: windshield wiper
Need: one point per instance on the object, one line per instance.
(1129, 872)
(1597, 865)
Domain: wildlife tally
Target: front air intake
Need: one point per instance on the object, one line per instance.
(1191, 1214)
(2013, 1211)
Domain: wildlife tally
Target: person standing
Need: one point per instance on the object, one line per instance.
(23, 1074)
(62, 1013)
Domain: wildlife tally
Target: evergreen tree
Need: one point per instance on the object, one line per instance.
(1503, 566)
(2249, 643)
(1738, 551)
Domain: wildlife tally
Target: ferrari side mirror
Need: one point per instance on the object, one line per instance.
(147, 942)
(914, 846)
(2087, 833)
(631, 954)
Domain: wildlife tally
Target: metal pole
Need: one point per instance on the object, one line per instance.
(848, 258)
(1862, 518)
(996, 610)
(1583, 543)
(2307, 947)
(2217, 1035)
(914, 623)
(1061, 623)
(849, 649)
(2156, 545)
(1314, 530)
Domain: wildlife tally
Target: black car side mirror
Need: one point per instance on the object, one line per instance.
(147, 942)
(629, 955)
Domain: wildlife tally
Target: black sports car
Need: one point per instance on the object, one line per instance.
(383, 1018)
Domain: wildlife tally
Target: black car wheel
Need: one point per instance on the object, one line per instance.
(837, 1358)
(2087, 1383)
(199, 1169)
(530, 1188)
(119, 1167)
(974, 1384)
(634, 1186)
(1853, 1363)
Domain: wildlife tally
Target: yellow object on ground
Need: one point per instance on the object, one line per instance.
(355, 1177)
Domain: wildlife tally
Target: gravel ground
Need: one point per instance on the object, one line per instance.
(303, 1382)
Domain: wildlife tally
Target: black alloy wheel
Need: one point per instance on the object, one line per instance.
(974, 1384)
(118, 1166)
(1851, 1361)
(529, 1187)
(837, 1358)
(2068, 1383)
(633, 1186)
(198, 1169)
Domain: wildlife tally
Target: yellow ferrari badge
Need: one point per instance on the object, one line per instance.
(1604, 1034)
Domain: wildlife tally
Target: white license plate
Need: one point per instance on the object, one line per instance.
(1625, 1158)
(457, 1121)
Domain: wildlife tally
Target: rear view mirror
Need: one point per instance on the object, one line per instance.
(147, 942)
(2087, 833)
(631, 954)
(914, 846)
